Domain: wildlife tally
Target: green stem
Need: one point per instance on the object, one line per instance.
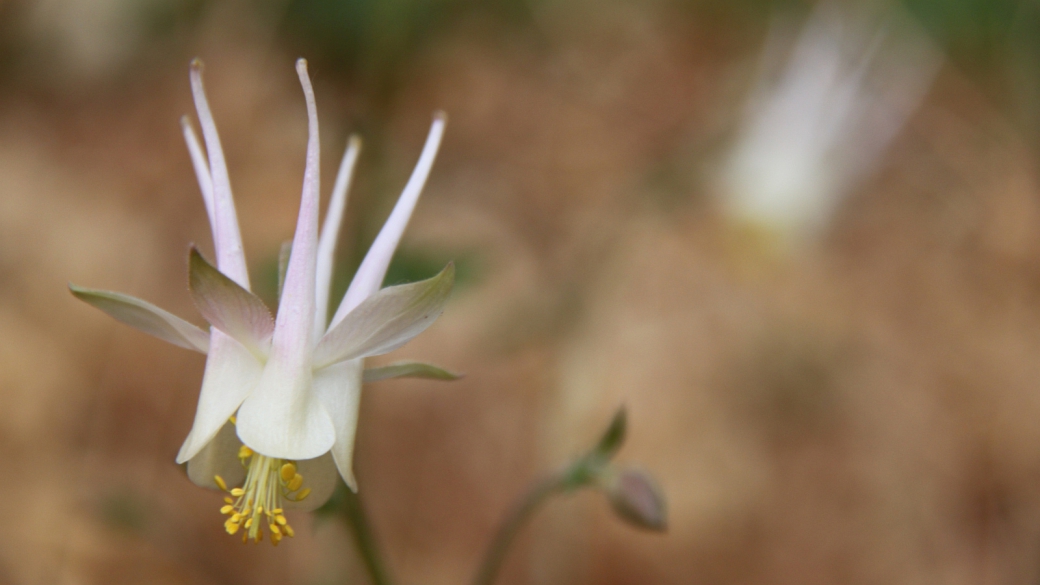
(520, 514)
(354, 513)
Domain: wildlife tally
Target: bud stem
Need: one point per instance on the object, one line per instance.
(522, 511)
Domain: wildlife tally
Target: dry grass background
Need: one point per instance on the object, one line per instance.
(863, 411)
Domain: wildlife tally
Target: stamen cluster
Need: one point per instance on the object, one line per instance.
(259, 500)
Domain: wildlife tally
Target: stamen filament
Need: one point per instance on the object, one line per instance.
(258, 501)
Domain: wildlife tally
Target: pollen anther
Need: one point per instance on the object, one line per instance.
(258, 500)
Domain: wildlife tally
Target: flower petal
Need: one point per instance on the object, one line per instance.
(229, 307)
(319, 476)
(227, 240)
(146, 317)
(408, 370)
(386, 320)
(338, 387)
(198, 161)
(370, 274)
(281, 418)
(218, 457)
(231, 373)
(330, 235)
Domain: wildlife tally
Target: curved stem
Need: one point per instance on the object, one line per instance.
(522, 511)
(354, 514)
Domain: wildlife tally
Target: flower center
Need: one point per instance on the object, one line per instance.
(259, 500)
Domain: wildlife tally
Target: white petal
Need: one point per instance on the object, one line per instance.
(339, 389)
(386, 320)
(370, 274)
(281, 418)
(231, 259)
(218, 457)
(146, 317)
(330, 235)
(408, 370)
(319, 475)
(231, 373)
(198, 161)
(229, 307)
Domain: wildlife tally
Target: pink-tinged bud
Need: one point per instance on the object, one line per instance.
(637, 499)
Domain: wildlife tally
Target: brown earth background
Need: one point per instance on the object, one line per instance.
(863, 410)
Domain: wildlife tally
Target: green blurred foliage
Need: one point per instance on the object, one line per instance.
(373, 42)
(124, 510)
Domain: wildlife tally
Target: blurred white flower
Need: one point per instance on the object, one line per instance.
(278, 407)
(810, 133)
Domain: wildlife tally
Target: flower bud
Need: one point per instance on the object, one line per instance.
(637, 499)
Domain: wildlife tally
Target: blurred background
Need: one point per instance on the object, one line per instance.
(800, 242)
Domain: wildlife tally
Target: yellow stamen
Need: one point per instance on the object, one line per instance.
(288, 471)
(258, 500)
(220, 482)
(233, 419)
(295, 483)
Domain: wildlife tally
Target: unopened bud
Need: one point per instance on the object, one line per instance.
(637, 499)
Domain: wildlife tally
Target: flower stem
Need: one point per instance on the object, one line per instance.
(354, 514)
(522, 511)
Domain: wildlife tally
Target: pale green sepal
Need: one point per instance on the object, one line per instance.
(229, 307)
(386, 320)
(338, 387)
(408, 370)
(319, 476)
(218, 457)
(146, 317)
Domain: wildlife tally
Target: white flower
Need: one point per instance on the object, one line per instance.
(811, 134)
(278, 407)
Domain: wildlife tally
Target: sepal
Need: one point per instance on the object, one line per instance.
(408, 370)
(145, 317)
(386, 320)
(229, 307)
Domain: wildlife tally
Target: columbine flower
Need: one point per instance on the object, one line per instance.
(844, 92)
(278, 407)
